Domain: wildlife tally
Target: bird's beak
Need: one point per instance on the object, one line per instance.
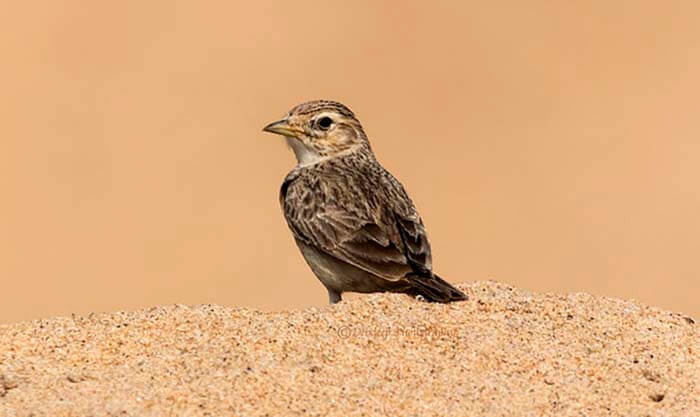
(280, 127)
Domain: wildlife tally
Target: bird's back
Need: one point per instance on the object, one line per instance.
(350, 204)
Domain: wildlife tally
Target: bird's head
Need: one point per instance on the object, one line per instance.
(320, 129)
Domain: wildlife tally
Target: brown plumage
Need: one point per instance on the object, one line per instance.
(353, 221)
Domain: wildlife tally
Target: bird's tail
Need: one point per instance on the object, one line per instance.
(435, 289)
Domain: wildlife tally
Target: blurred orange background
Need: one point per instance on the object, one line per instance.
(554, 146)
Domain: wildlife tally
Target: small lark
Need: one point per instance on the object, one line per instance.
(352, 220)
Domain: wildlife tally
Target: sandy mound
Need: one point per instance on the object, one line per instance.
(503, 352)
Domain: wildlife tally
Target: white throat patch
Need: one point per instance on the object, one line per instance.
(305, 155)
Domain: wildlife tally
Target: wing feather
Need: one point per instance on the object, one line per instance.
(377, 229)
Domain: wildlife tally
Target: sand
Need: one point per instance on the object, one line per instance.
(503, 352)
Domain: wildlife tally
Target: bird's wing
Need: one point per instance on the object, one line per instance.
(372, 225)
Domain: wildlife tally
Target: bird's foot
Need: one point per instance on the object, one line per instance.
(421, 298)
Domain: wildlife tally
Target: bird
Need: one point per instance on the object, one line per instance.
(353, 221)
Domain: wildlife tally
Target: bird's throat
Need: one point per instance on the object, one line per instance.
(304, 154)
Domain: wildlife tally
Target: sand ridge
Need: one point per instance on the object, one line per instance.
(503, 352)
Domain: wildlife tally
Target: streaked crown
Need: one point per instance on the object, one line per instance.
(316, 106)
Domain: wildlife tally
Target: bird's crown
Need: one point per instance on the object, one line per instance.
(316, 106)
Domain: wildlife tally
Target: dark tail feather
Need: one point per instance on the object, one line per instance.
(435, 289)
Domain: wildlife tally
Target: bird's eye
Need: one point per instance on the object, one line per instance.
(324, 123)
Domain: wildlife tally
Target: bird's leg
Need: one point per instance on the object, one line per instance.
(333, 296)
